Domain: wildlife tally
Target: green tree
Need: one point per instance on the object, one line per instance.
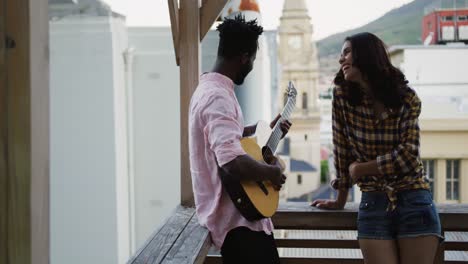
(324, 173)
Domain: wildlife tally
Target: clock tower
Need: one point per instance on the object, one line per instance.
(299, 63)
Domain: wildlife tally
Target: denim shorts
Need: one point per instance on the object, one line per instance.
(415, 215)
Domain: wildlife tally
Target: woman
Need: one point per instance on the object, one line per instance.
(376, 146)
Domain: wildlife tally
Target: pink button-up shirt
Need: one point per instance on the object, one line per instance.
(215, 130)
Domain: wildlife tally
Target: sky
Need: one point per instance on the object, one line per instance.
(328, 16)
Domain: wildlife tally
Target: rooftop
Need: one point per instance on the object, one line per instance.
(456, 45)
(445, 5)
(301, 166)
(65, 8)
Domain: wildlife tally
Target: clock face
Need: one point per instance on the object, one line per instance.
(295, 42)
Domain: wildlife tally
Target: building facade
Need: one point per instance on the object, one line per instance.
(115, 173)
(445, 21)
(154, 126)
(326, 132)
(436, 74)
(89, 206)
(298, 63)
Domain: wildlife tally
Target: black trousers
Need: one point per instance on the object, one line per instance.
(244, 246)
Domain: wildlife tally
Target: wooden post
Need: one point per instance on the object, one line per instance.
(188, 29)
(174, 15)
(3, 141)
(39, 133)
(18, 133)
(24, 134)
(189, 47)
(209, 12)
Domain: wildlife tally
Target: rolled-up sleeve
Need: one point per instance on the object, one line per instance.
(340, 146)
(404, 159)
(223, 131)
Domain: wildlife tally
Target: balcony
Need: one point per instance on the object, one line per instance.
(182, 240)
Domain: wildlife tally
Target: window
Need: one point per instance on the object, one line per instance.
(448, 18)
(462, 18)
(453, 180)
(299, 179)
(430, 172)
(295, 42)
(304, 100)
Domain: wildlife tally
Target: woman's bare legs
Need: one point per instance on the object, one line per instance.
(418, 250)
(376, 251)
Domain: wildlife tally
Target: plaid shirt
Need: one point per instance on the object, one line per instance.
(392, 138)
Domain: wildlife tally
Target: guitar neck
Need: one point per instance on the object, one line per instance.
(276, 134)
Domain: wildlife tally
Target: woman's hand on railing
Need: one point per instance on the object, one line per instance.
(337, 204)
(328, 204)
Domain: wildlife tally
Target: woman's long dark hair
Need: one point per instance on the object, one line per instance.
(386, 81)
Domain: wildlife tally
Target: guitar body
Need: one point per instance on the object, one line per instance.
(265, 203)
(250, 197)
(257, 200)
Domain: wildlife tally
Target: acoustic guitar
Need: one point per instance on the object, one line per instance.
(257, 200)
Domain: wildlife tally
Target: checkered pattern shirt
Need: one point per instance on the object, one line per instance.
(392, 139)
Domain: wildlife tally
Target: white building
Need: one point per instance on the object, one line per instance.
(115, 136)
(275, 74)
(438, 74)
(154, 112)
(301, 179)
(326, 132)
(89, 210)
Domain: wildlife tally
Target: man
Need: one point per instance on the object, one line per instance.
(216, 127)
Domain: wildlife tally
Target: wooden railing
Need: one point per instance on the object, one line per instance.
(179, 240)
(182, 240)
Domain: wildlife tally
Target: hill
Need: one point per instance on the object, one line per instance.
(399, 26)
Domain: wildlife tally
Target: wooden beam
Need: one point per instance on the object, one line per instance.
(24, 133)
(189, 19)
(453, 217)
(174, 14)
(316, 243)
(18, 133)
(209, 12)
(3, 141)
(40, 154)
